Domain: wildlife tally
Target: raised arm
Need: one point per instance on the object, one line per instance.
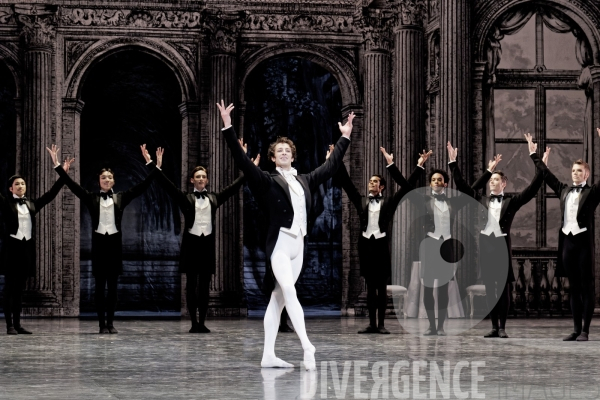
(167, 184)
(459, 181)
(550, 179)
(62, 172)
(255, 176)
(353, 193)
(335, 160)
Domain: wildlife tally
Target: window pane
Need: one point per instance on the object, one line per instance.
(516, 164)
(565, 111)
(523, 233)
(561, 160)
(552, 222)
(518, 50)
(514, 112)
(559, 50)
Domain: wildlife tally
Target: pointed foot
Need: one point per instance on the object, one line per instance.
(274, 362)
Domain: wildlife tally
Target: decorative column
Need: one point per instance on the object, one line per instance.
(595, 163)
(409, 124)
(69, 239)
(455, 118)
(226, 291)
(37, 31)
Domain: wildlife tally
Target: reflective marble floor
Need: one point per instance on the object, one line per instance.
(68, 359)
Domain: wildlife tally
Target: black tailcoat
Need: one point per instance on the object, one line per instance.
(206, 262)
(272, 192)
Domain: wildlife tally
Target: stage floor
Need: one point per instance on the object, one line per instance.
(150, 359)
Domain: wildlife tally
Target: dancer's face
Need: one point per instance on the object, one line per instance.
(200, 180)
(496, 184)
(283, 156)
(375, 186)
(437, 183)
(18, 187)
(579, 174)
(107, 181)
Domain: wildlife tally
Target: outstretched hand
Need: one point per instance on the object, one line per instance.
(256, 160)
(225, 112)
(492, 164)
(67, 164)
(329, 151)
(546, 155)
(346, 129)
(452, 152)
(389, 158)
(598, 130)
(532, 146)
(159, 156)
(424, 157)
(54, 154)
(145, 153)
(244, 147)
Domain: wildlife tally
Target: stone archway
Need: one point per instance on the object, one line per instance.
(186, 107)
(345, 76)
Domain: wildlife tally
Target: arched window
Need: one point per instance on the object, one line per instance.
(536, 56)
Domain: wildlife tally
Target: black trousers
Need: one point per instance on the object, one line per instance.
(14, 284)
(375, 268)
(576, 259)
(197, 291)
(429, 276)
(496, 276)
(106, 298)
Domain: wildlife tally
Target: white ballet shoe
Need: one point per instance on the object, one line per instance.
(309, 358)
(274, 362)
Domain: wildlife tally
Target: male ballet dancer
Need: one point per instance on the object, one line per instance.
(285, 198)
(376, 213)
(575, 259)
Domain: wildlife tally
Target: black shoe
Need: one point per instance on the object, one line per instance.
(572, 337)
(285, 328)
(430, 332)
(203, 329)
(111, 329)
(369, 329)
(441, 332)
(383, 331)
(194, 328)
(22, 331)
(104, 330)
(11, 331)
(583, 337)
(502, 333)
(492, 333)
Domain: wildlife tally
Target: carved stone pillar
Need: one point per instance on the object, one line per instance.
(455, 118)
(226, 291)
(409, 123)
(595, 164)
(69, 239)
(37, 31)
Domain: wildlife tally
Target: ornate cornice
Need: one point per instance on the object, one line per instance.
(37, 24)
(299, 22)
(130, 17)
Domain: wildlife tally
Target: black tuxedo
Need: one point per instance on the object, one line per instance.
(510, 205)
(190, 260)
(388, 208)
(272, 193)
(13, 262)
(576, 252)
(107, 250)
(92, 202)
(19, 256)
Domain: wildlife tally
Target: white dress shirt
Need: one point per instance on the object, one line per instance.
(107, 224)
(298, 203)
(570, 224)
(493, 221)
(25, 225)
(202, 221)
(441, 219)
(373, 221)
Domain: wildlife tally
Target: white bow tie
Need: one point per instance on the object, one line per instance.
(287, 173)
